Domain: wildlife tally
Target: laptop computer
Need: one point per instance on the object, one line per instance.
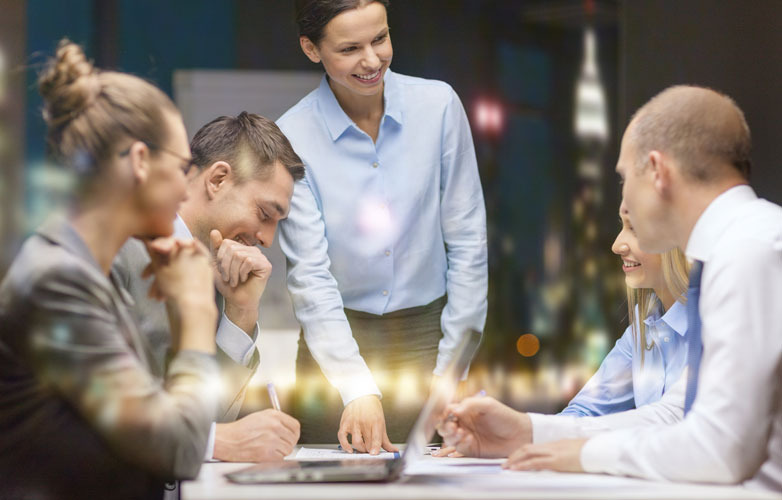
(367, 470)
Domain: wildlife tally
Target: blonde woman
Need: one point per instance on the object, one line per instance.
(640, 373)
(649, 357)
(84, 410)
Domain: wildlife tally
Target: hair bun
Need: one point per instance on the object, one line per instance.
(68, 85)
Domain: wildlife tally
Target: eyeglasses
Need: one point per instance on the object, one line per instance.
(188, 163)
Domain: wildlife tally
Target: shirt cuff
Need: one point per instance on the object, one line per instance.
(547, 428)
(235, 342)
(210, 444)
(601, 453)
(358, 387)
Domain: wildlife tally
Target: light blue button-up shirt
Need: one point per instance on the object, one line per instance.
(622, 382)
(383, 226)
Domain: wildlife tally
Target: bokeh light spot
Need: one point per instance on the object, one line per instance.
(528, 345)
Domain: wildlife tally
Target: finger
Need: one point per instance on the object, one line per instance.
(466, 446)
(374, 439)
(233, 270)
(290, 423)
(215, 240)
(357, 439)
(245, 269)
(443, 451)
(387, 445)
(446, 451)
(342, 437)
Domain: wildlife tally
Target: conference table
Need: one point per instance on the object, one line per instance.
(456, 478)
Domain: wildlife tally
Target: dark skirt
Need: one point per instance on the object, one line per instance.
(400, 349)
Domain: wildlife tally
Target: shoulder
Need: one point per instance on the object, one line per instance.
(755, 232)
(300, 112)
(423, 91)
(46, 273)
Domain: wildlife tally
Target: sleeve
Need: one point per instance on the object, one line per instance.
(238, 358)
(80, 352)
(237, 354)
(668, 410)
(723, 438)
(316, 299)
(610, 389)
(463, 222)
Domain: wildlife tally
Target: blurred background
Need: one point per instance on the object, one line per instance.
(549, 86)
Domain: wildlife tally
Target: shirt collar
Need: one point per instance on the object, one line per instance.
(675, 317)
(337, 121)
(181, 230)
(713, 222)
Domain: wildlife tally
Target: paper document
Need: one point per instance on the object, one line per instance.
(454, 466)
(331, 454)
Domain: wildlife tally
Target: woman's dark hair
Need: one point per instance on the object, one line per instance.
(312, 16)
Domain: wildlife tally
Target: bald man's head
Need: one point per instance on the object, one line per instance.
(702, 129)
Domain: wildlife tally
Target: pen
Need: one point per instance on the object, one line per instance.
(273, 396)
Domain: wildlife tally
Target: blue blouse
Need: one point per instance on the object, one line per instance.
(622, 383)
(379, 226)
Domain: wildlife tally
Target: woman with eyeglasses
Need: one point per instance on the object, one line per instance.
(386, 237)
(84, 412)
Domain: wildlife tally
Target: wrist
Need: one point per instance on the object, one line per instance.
(222, 447)
(524, 432)
(243, 317)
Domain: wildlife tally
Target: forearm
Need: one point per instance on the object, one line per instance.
(245, 318)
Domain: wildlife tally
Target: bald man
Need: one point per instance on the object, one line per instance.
(685, 163)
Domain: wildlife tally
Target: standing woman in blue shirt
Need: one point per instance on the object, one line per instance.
(386, 238)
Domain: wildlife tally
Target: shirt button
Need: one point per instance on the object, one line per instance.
(388, 252)
(374, 165)
(667, 339)
(385, 292)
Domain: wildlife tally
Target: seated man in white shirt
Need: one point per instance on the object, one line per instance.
(685, 164)
(238, 192)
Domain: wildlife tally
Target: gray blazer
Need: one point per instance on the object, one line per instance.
(83, 404)
(153, 322)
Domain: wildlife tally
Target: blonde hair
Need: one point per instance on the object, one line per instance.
(676, 271)
(89, 111)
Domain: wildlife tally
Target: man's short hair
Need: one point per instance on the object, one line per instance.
(250, 143)
(697, 126)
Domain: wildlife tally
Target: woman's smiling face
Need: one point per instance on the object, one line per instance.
(356, 50)
(642, 270)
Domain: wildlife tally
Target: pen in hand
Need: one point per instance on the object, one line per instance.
(273, 396)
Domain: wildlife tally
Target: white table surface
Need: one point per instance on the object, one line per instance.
(211, 484)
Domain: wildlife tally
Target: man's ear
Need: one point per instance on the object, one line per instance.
(139, 162)
(661, 170)
(216, 178)
(309, 49)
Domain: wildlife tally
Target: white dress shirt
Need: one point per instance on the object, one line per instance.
(234, 341)
(734, 431)
(379, 226)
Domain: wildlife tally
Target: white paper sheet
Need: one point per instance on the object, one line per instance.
(317, 454)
